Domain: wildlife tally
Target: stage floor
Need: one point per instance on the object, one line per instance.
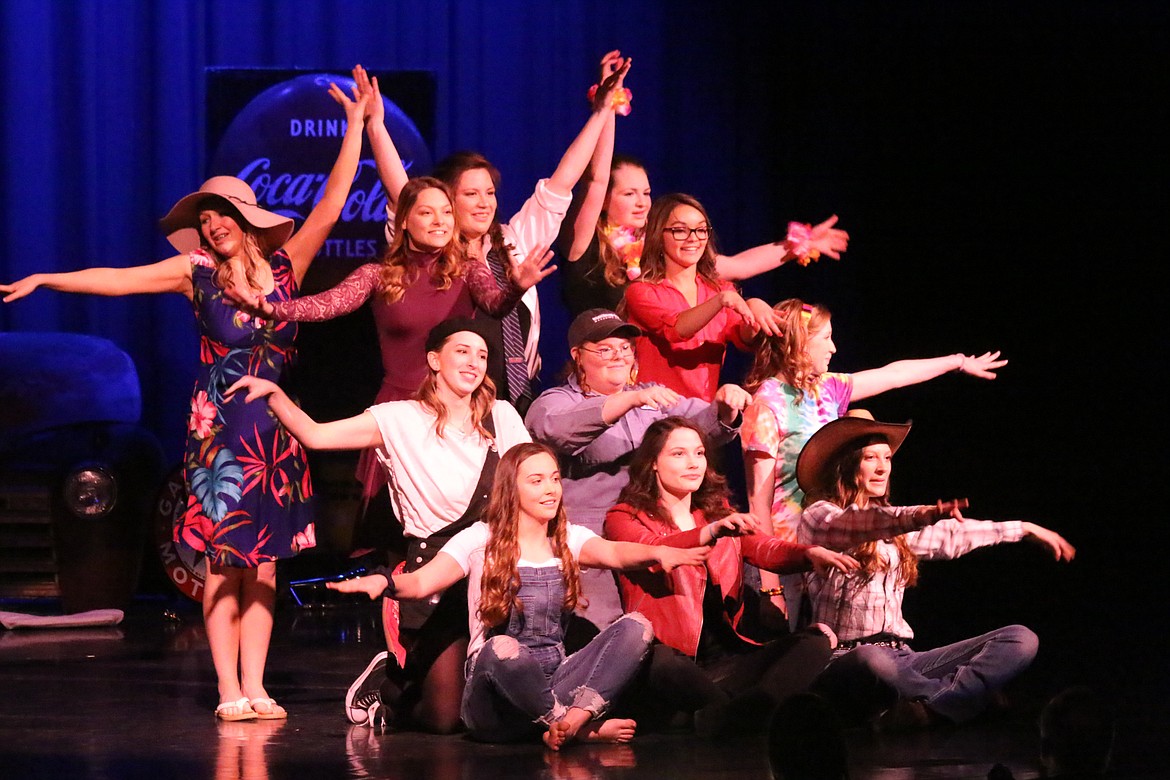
(136, 701)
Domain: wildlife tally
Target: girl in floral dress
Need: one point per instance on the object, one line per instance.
(247, 479)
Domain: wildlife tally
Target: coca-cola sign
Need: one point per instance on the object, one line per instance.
(284, 143)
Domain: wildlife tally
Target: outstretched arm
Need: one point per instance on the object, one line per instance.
(590, 197)
(577, 156)
(170, 275)
(306, 242)
(439, 573)
(352, 433)
(386, 157)
(823, 239)
(601, 553)
(902, 373)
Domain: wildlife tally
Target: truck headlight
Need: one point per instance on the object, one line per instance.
(90, 492)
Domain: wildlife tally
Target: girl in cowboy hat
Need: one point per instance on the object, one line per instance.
(794, 394)
(248, 481)
(844, 471)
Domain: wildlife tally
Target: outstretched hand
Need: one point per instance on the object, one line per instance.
(19, 288)
(533, 268)
(355, 109)
(825, 560)
(828, 240)
(255, 387)
(670, 558)
(983, 366)
(1060, 548)
(372, 585)
(248, 300)
(737, 524)
(765, 316)
(604, 97)
(611, 63)
(368, 88)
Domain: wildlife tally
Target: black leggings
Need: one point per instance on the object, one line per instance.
(736, 692)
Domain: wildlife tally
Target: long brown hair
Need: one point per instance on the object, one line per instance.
(785, 356)
(844, 488)
(501, 574)
(642, 493)
(451, 168)
(222, 275)
(654, 250)
(398, 273)
(483, 398)
(612, 264)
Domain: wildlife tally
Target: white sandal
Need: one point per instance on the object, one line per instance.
(243, 710)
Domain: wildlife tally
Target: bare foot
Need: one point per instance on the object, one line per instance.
(612, 730)
(558, 734)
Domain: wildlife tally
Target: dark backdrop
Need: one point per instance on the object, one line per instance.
(1001, 167)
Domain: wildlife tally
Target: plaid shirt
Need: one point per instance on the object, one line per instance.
(857, 608)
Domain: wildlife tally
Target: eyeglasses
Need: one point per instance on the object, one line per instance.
(682, 233)
(608, 353)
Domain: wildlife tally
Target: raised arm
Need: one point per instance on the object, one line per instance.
(353, 433)
(829, 525)
(580, 151)
(903, 373)
(306, 242)
(802, 241)
(386, 157)
(599, 553)
(590, 196)
(170, 275)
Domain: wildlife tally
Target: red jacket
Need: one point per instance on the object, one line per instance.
(674, 602)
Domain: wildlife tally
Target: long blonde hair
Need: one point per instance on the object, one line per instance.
(785, 356)
(501, 573)
(398, 273)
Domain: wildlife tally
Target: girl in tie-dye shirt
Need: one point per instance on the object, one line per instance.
(794, 396)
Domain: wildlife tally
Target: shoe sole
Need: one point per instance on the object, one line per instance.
(356, 715)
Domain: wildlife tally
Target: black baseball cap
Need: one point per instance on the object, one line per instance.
(597, 324)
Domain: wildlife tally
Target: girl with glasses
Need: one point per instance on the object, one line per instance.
(604, 235)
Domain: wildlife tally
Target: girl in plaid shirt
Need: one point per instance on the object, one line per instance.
(844, 471)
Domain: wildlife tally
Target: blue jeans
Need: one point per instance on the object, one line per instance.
(520, 680)
(954, 680)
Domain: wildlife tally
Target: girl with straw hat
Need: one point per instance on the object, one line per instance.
(247, 479)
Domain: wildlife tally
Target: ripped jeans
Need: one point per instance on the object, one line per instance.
(520, 680)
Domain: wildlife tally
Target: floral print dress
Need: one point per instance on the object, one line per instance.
(247, 477)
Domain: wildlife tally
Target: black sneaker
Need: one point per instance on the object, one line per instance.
(363, 697)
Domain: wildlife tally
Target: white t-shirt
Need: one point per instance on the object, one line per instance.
(467, 548)
(432, 479)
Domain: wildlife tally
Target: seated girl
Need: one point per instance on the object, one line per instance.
(706, 662)
(522, 564)
(844, 471)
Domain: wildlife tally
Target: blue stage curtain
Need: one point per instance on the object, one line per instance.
(103, 125)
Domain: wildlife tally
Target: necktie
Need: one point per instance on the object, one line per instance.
(515, 364)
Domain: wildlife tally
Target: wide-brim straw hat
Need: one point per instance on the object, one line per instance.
(824, 445)
(181, 224)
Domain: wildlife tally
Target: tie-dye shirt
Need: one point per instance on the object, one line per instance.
(777, 426)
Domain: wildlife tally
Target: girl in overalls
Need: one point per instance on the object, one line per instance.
(522, 564)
